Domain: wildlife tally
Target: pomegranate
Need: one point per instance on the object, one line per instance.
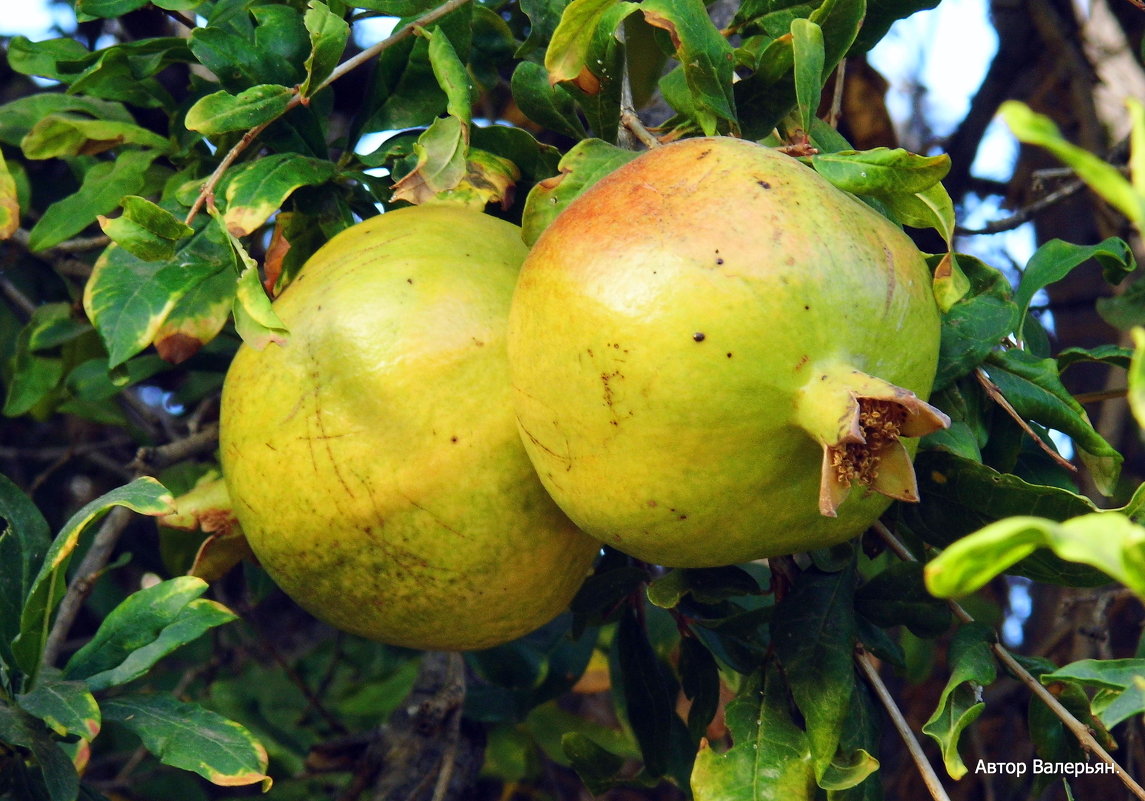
(716, 356)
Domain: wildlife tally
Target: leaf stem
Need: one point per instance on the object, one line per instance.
(929, 777)
(349, 64)
(1076, 727)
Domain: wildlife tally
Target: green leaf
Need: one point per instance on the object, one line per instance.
(1102, 177)
(58, 59)
(196, 318)
(770, 759)
(9, 202)
(700, 681)
(221, 112)
(122, 72)
(881, 14)
(898, 596)
(544, 16)
(881, 171)
(59, 774)
(1033, 387)
(190, 737)
(328, 35)
(975, 325)
(20, 116)
(706, 585)
(813, 632)
(1121, 682)
(145, 229)
(142, 629)
(596, 766)
(807, 43)
(128, 299)
(960, 496)
(567, 55)
(257, 189)
(586, 163)
(972, 667)
(549, 106)
(144, 496)
(1055, 259)
(1137, 377)
(102, 190)
(67, 707)
(35, 375)
(24, 539)
(255, 320)
(60, 135)
(1108, 541)
(452, 76)
(649, 701)
(1110, 354)
(705, 57)
(87, 10)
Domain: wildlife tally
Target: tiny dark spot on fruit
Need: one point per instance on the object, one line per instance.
(682, 517)
(614, 422)
(704, 154)
(699, 336)
(806, 308)
(589, 351)
(319, 307)
(652, 504)
(729, 355)
(478, 342)
(453, 438)
(719, 260)
(764, 184)
(409, 281)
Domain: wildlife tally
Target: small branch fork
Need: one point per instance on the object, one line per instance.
(1075, 726)
(346, 66)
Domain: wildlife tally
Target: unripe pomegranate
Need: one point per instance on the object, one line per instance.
(373, 460)
(716, 356)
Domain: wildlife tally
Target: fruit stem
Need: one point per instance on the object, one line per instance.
(859, 421)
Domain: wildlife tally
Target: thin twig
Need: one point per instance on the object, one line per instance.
(836, 112)
(996, 395)
(90, 569)
(929, 777)
(633, 125)
(1075, 726)
(349, 64)
(151, 460)
(1024, 214)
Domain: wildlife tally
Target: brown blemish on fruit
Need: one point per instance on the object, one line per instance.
(699, 336)
(802, 361)
(763, 184)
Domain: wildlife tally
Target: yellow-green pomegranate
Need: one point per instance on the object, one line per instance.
(373, 460)
(715, 355)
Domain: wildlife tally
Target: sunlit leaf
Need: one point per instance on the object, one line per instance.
(1101, 176)
(142, 629)
(222, 111)
(328, 36)
(257, 189)
(1108, 541)
(770, 758)
(190, 737)
(145, 229)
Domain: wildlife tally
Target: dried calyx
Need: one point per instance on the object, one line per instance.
(859, 421)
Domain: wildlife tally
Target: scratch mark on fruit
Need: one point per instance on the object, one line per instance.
(567, 459)
(802, 361)
(890, 278)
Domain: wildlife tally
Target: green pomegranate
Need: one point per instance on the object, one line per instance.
(373, 460)
(715, 355)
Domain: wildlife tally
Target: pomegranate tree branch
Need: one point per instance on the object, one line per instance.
(1075, 726)
(349, 64)
(925, 769)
